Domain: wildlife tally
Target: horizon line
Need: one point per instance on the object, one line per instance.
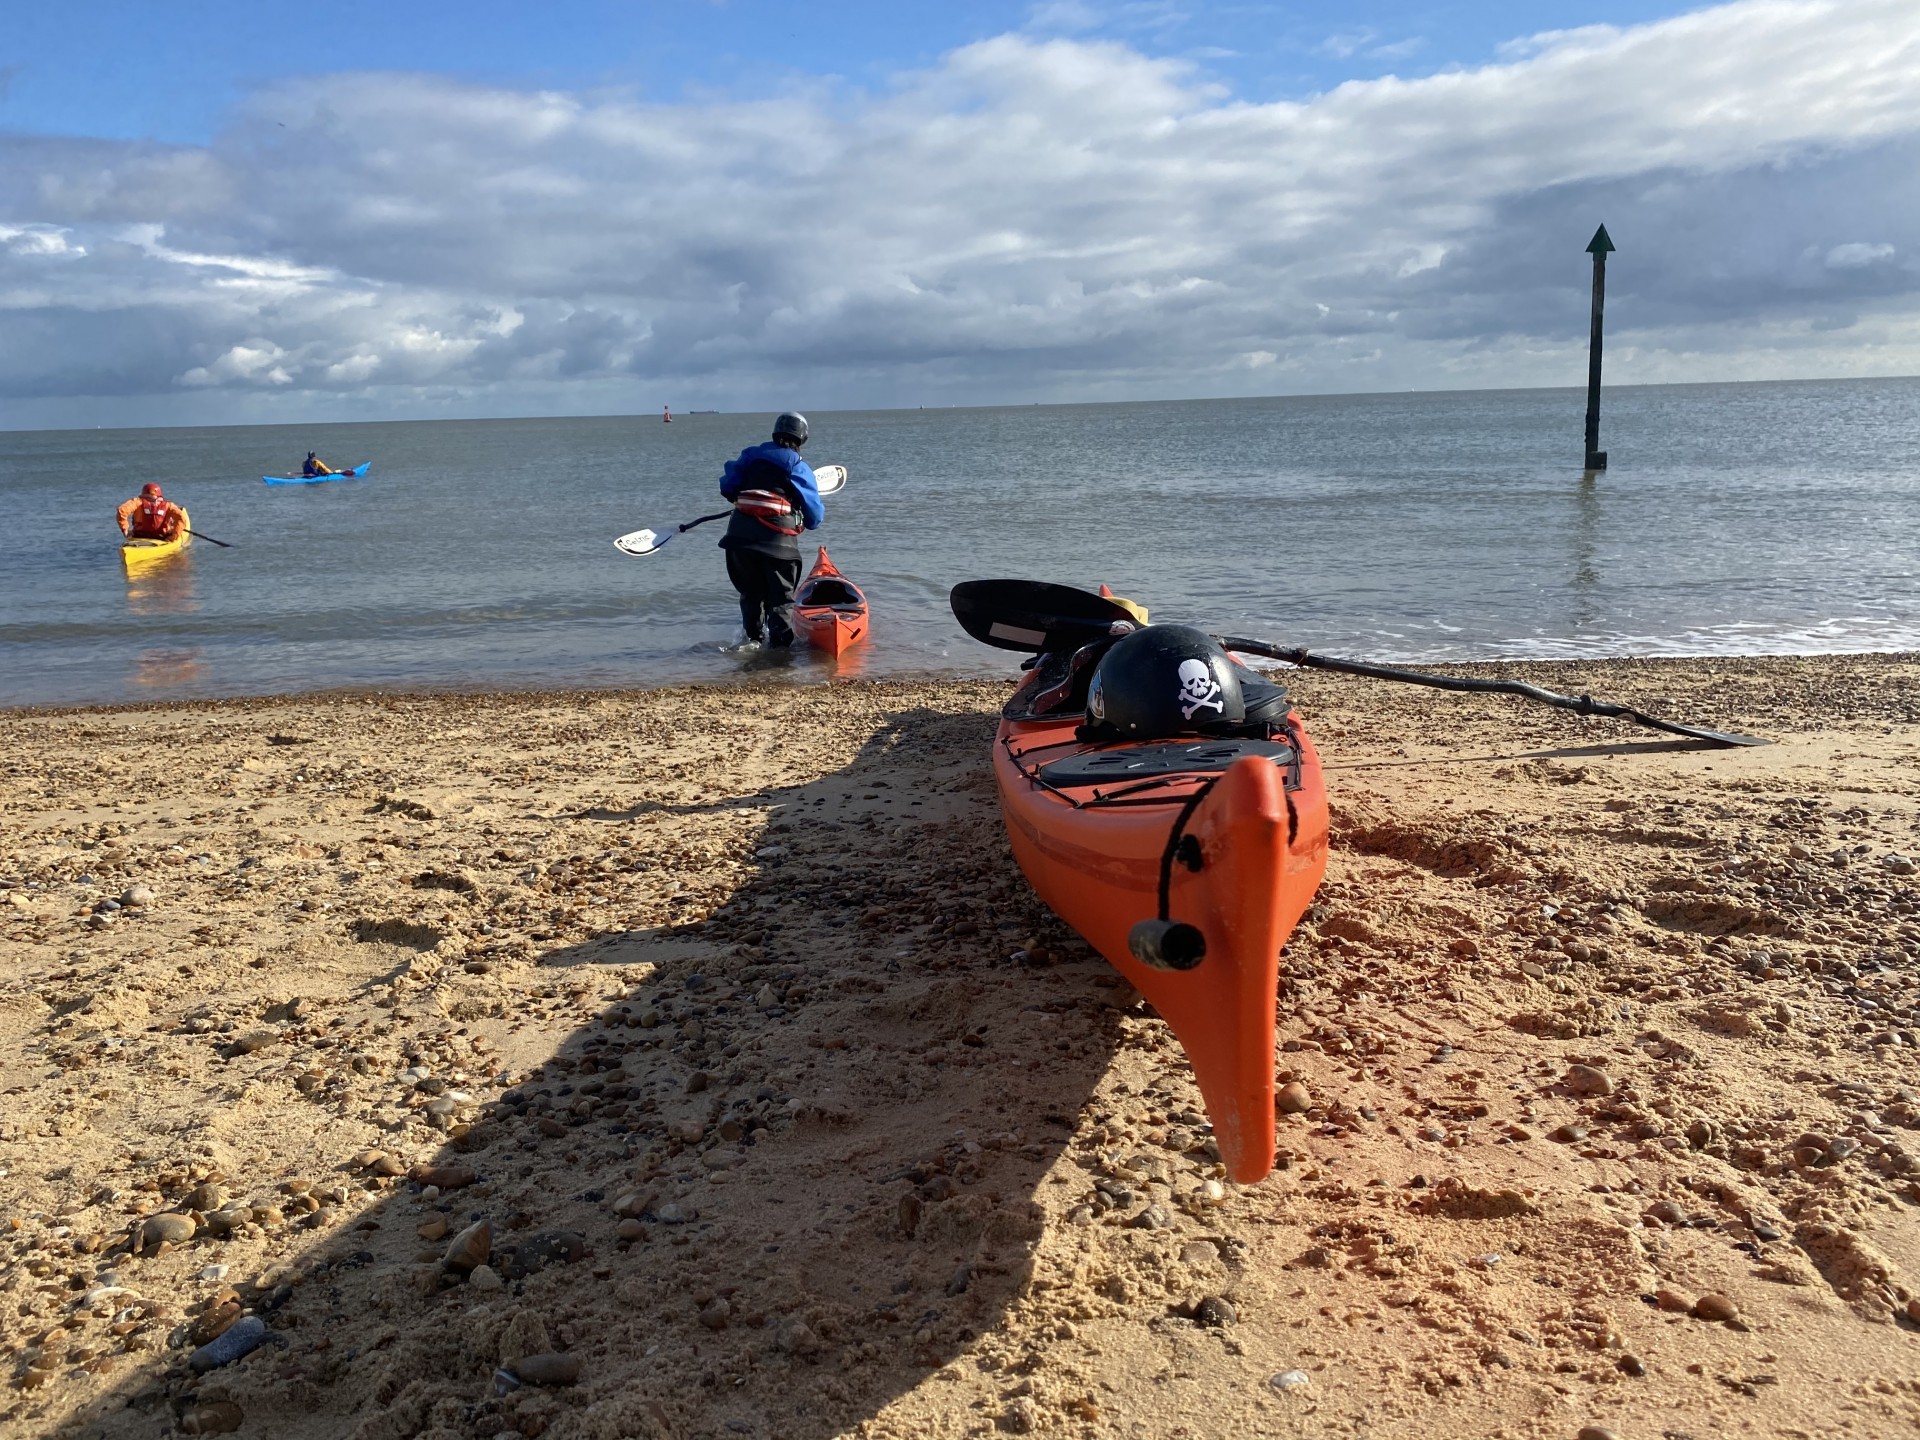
(1578, 389)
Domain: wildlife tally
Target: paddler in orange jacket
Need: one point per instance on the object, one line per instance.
(150, 516)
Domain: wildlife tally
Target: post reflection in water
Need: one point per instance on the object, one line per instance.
(1587, 609)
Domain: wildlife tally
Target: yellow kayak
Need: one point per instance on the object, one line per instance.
(140, 553)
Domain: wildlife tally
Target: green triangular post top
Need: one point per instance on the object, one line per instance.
(1601, 242)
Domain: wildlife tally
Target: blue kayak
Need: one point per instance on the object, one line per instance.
(354, 474)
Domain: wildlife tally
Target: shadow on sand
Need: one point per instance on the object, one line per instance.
(826, 1109)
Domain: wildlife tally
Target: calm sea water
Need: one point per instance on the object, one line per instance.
(1747, 519)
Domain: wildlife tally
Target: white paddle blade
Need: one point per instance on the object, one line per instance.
(642, 542)
(829, 478)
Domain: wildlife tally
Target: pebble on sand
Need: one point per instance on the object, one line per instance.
(1290, 1380)
(797, 1339)
(548, 1369)
(243, 1337)
(1293, 1099)
(1022, 1415)
(207, 1196)
(484, 1278)
(1715, 1307)
(1215, 1313)
(1586, 1080)
(472, 1247)
(442, 1177)
(166, 1229)
(216, 1417)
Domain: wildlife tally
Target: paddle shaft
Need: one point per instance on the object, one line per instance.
(1579, 705)
(840, 475)
(223, 544)
(832, 479)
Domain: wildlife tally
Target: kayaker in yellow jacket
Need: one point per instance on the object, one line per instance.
(316, 466)
(150, 516)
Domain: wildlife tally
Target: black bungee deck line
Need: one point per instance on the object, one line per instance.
(1579, 705)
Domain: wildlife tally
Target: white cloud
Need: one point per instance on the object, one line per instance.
(1031, 217)
(1855, 254)
(39, 240)
(1398, 49)
(258, 363)
(1344, 44)
(1067, 17)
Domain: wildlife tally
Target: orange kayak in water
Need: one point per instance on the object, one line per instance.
(1234, 828)
(829, 609)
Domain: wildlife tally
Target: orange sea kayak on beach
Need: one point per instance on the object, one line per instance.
(1211, 845)
(829, 609)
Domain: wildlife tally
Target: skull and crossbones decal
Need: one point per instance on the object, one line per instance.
(1199, 690)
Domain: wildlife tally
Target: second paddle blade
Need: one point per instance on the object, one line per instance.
(1032, 615)
(642, 542)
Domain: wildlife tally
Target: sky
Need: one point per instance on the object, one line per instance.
(214, 212)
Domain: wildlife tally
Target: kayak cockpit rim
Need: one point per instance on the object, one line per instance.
(1134, 794)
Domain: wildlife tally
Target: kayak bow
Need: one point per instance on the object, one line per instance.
(829, 609)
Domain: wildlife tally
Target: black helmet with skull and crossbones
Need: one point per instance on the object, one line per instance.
(1164, 680)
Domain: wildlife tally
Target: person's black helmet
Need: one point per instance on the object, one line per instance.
(1164, 680)
(791, 427)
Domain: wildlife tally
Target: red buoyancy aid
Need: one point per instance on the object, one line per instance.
(771, 509)
(154, 519)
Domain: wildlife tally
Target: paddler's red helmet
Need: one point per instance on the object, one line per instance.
(150, 491)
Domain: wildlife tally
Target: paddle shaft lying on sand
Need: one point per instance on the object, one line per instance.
(1035, 616)
(1580, 705)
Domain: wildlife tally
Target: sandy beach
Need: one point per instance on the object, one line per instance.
(696, 1063)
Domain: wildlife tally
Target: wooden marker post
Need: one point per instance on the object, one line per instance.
(1598, 248)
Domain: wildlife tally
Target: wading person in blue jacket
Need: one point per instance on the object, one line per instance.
(774, 498)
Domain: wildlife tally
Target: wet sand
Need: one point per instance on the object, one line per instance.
(715, 1037)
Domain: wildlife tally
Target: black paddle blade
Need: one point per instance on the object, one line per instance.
(1033, 616)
